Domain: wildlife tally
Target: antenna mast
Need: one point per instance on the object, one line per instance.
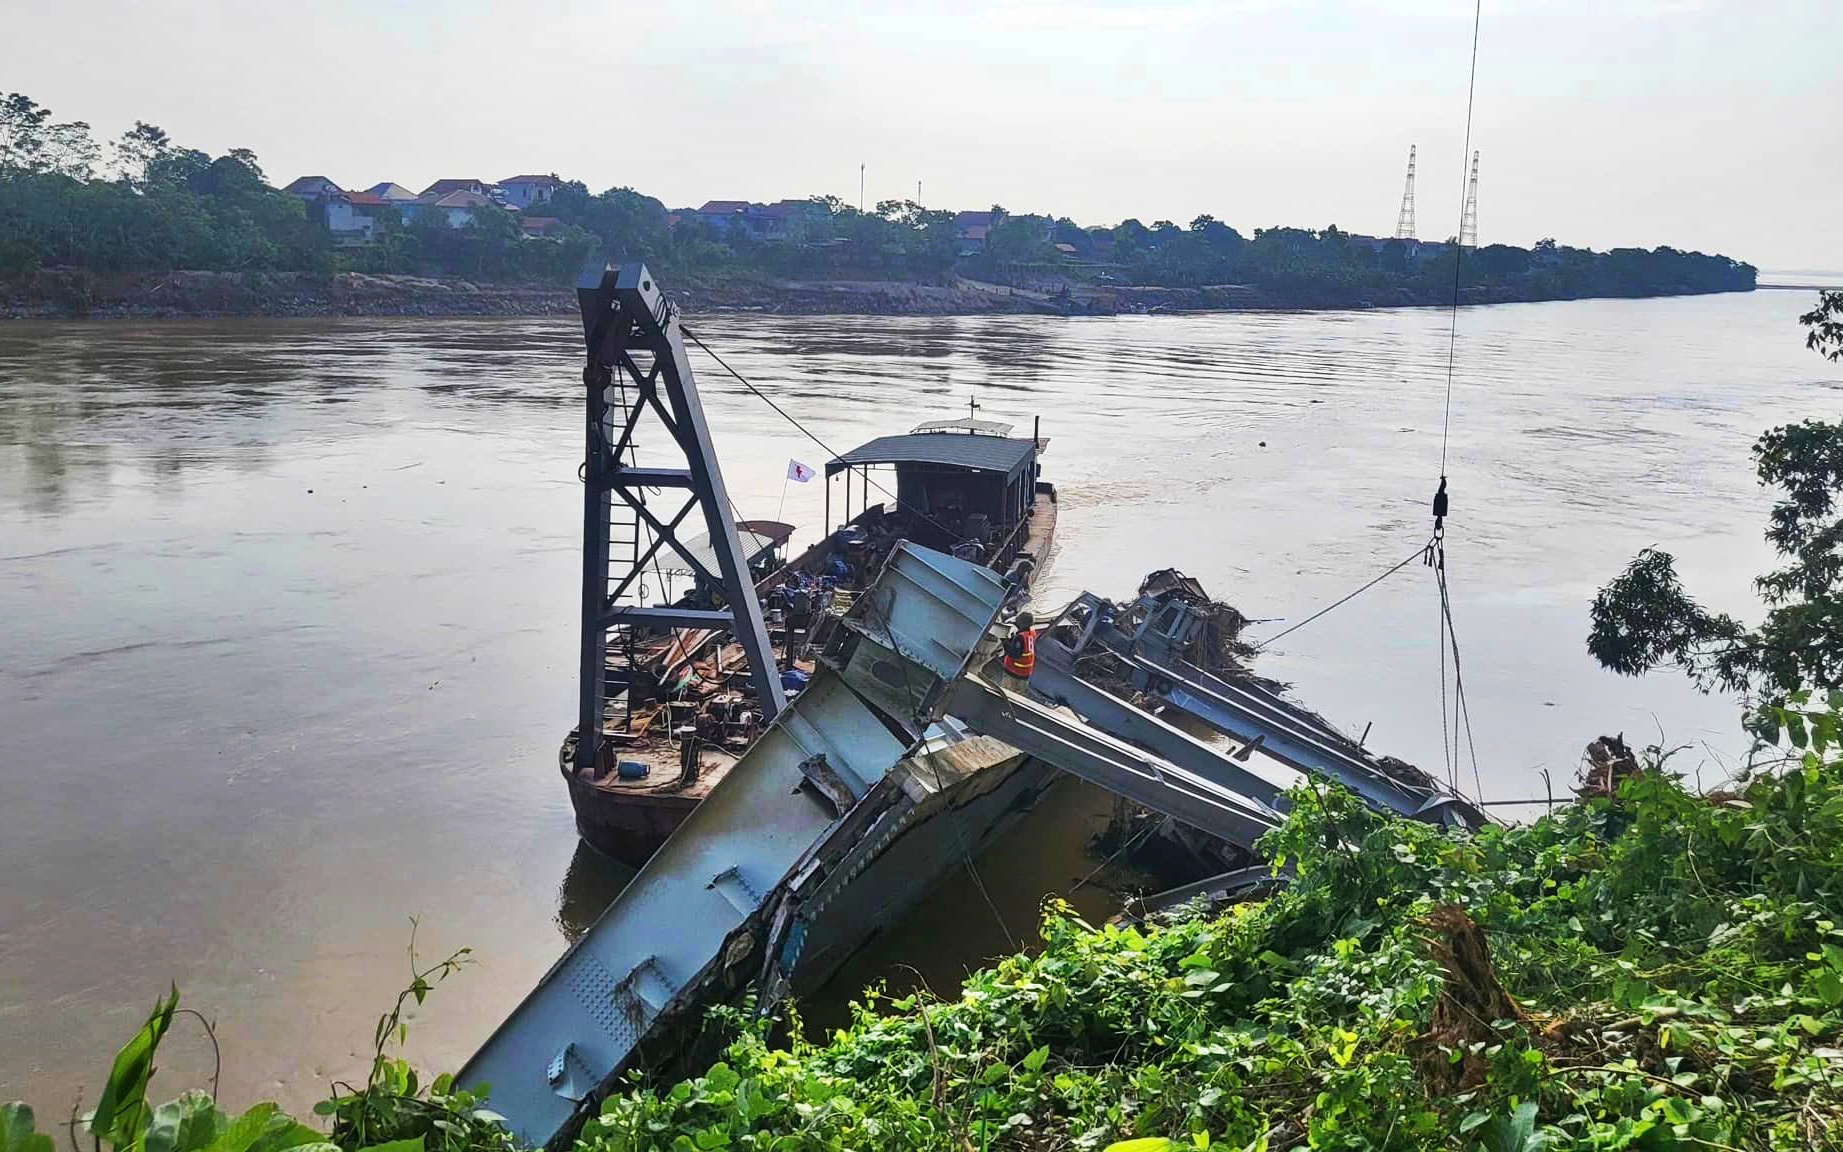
(1404, 224)
(1468, 220)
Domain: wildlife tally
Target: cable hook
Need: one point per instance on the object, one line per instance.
(1435, 555)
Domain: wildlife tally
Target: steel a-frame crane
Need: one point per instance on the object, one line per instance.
(636, 368)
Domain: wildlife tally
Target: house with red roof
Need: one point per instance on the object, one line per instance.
(972, 228)
(332, 206)
(352, 218)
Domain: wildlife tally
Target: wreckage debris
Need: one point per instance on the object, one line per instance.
(1472, 1000)
(1609, 763)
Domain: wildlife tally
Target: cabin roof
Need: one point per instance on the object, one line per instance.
(963, 424)
(962, 449)
(758, 537)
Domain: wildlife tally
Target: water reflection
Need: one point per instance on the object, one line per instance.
(80, 401)
(589, 885)
(993, 906)
(1013, 351)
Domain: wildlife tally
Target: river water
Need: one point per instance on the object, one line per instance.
(287, 608)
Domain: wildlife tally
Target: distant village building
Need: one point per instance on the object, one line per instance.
(972, 228)
(524, 192)
(331, 206)
(354, 218)
(312, 187)
(351, 227)
(769, 223)
(459, 205)
(392, 193)
(442, 188)
(722, 215)
(785, 218)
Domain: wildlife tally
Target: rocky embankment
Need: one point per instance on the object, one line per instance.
(67, 293)
(64, 293)
(71, 293)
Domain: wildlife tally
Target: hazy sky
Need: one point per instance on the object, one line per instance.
(1698, 123)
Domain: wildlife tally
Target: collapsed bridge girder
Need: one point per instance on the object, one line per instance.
(813, 807)
(735, 893)
(1243, 710)
(1128, 771)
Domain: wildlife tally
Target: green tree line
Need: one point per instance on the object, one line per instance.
(148, 204)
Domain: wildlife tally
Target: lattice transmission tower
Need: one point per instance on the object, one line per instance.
(1404, 224)
(1468, 220)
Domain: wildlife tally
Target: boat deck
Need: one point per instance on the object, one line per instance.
(1042, 536)
(628, 818)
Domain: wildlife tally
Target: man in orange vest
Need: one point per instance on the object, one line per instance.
(1018, 653)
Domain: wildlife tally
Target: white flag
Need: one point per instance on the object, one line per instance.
(798, 471)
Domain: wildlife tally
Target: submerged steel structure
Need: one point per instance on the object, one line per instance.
(895, 764)
(1260, 719)
(799, 816)
(635, 368)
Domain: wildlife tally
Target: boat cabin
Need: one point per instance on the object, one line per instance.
(961, 486)
(763, 548)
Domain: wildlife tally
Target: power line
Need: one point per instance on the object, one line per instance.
(1460, 710)
(1435, 555)
(1452, 339)
(763, 396)
(1419, 551)
(1447, 758)
(811, 435)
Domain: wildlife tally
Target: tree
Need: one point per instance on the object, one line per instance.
(22, 134)
(137, 150)
(1019, 240)
(162, 206)
(629, 225)
(30, 144)
(1130, 236)
(1826, 326)
(176, 168)
(1644, 619)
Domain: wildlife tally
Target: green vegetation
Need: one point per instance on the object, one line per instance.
(162, 208)
(391, 1113)
(1645, 619)
(170, 208)
(1647, 968)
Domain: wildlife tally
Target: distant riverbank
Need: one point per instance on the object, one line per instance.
(77, 294)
